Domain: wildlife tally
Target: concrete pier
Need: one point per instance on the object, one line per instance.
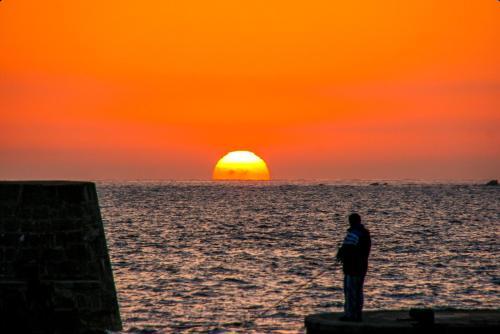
(55, 272)
(399, 322)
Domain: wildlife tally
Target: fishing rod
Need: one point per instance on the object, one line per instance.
(300, 287)
(247, 322)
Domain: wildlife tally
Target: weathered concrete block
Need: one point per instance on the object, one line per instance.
(55, 272)
(401, 322)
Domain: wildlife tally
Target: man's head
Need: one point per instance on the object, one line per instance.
(354, 219)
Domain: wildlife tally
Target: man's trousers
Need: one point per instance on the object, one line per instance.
(353, 293)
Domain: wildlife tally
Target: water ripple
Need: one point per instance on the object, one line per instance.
(192, 257)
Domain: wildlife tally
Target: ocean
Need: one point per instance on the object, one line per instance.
(215, 257)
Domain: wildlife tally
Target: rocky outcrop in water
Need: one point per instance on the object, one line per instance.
(492, 183)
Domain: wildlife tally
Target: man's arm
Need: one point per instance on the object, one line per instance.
(340, 254)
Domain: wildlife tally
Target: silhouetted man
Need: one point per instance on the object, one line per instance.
(354, 257)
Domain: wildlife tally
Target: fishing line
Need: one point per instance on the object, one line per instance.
(247, 321)
(305, 285)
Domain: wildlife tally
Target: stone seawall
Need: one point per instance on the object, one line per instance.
(55, 272)
(400, 322)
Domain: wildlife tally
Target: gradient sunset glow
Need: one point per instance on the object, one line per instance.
(321, 89)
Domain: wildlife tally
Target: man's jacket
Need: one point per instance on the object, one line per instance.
(355, 250)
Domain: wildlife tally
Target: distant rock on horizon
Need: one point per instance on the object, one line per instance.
(492, 183)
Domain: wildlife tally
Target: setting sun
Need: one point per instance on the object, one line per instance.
(241, 165)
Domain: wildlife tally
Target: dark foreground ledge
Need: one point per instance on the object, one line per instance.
(375, 322)
(55, 272)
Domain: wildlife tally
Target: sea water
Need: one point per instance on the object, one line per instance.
(219, 257)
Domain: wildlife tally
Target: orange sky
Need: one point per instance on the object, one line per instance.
(160, 89)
